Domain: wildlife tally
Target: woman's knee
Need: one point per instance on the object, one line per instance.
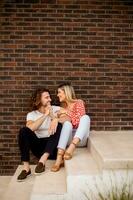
(84, 125)
(67, 125)
(85, 118)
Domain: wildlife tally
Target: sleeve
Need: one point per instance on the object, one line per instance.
(30, 116)
(79, 111)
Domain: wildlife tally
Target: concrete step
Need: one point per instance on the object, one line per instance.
(49, 185)
(19, 190)
(112, 149)
(81, 163)
(106, 150)
(85, 179)
(4, 182)
(80, 167)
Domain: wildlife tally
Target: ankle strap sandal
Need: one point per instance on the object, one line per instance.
(67, 155)
(74, 144)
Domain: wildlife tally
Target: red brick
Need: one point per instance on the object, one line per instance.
(90, 60)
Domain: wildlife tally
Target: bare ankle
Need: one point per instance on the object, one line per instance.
(44, 158)
(26, 166)
(60, 152)
(75, 141)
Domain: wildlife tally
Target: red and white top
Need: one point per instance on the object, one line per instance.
(77, 111)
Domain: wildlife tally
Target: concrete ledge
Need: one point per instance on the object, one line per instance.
(112, 149)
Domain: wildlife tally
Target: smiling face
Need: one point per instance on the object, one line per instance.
(61, 95)
(45, 99)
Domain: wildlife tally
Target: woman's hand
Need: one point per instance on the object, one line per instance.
(62, 112)
(64, 118)
(62, 115)
(53, 126)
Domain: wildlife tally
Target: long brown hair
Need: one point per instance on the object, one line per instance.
(36, 98)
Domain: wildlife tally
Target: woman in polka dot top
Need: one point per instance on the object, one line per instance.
(76, 127)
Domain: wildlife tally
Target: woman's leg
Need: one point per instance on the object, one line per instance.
(59, 161)
(83, 129)
(66, 134)
(81, 135)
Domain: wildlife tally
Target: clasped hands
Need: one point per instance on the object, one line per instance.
(61, 116)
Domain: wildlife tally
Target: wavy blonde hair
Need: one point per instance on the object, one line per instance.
(69, 92)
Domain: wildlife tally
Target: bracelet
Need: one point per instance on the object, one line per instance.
(62, 114)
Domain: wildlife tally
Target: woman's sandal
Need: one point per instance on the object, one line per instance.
(55, 167)
(67, 155)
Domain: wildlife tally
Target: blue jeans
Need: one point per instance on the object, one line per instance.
(68, 133)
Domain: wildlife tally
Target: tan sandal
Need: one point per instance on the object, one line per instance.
(67, 155)
(55, 167)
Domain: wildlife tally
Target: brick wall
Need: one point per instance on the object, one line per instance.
(44, 43)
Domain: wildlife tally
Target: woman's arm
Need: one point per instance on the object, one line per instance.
(79, 109)
(62, 116)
